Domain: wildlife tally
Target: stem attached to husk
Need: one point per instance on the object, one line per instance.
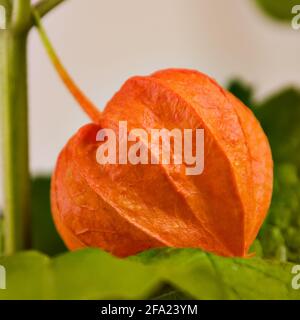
(80, 97)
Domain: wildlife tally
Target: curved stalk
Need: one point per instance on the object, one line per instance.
(91, 110)
(42, 8)
(45, 6)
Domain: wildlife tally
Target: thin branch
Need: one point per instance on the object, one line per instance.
(42, 8)
(79, 96)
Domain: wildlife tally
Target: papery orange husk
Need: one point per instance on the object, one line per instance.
(125, 209)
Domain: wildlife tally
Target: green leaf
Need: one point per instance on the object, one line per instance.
(94, 274)
(278, 9)
(280, 234)
(279, 116)
(44, 235)
(242, 90)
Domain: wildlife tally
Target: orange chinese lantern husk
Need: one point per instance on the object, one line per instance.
(125, 209)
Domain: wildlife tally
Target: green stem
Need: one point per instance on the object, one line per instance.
(20, 15)
(42, 8)
(85, 103)
(15, 130)
(14, 120)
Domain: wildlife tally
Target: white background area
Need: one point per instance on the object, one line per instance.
(102, 43)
